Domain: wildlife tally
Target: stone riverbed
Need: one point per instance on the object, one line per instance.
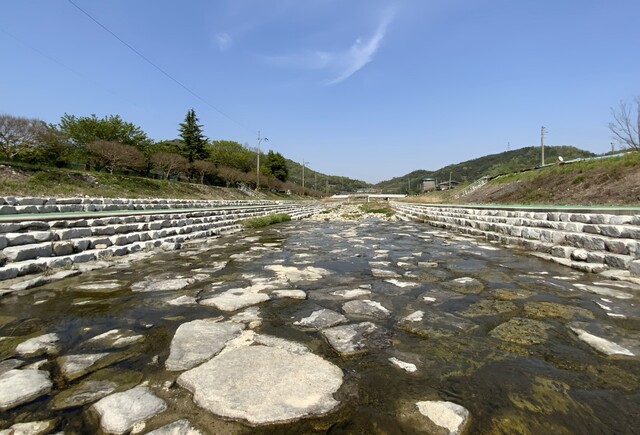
(360, 325)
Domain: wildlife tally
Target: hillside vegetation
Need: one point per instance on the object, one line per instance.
(491, 165)
(22, 180)
(603, 181)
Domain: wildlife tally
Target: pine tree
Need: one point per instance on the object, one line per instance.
(276, 166)
(193, 138)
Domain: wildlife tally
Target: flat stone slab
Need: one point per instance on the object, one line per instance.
(264, 385)
(321, 319)
(294, 274)
(22, 386)
(197, 341)
(121, 411)
(162, 283)
(235, 299)
(447, 415)
(367, 308)
(47, 343)
(357, 338)
(291, 294)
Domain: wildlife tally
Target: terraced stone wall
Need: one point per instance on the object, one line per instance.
(585, 240)
(32, 244)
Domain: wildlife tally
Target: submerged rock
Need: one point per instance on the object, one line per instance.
(180, 427)
(466, 285)
(163, 282)
(601, 344)
(489, 307)
(432, 323)
(22, 386)
(321, 319)
(357, 338)
(113, 339)
(263, 385)
(294, 275)
(121, 411)
(447, 415)
(95, 387)
(541, 310)
(196, 342)
(522, 331)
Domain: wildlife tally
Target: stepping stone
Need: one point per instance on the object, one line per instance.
(120, 412)
(264, 385)
(366, 308)
(235, 299)
(44, 344)
(351, 294)
(197, 341)
(321, 319)
(22, 386)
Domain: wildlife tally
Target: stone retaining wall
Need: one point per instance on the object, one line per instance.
(582, 239)
(22, 205)
(34, 246)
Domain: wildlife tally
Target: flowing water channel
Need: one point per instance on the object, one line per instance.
(494, 335)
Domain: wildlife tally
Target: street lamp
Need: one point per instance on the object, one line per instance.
(260, 139)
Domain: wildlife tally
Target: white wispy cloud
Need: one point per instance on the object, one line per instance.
(340, 64)
(347, 63)
(224, 41)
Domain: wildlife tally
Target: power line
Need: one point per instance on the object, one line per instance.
(166, 74)
(68, 68)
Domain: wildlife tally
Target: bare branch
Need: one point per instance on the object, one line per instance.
(626, 127)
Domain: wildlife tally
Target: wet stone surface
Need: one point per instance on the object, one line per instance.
(324, 326)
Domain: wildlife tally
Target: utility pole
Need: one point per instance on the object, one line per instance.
(612, 149)
(315, 181)
(542, 132)
(508, 146)
(303, 163)
(260, 139)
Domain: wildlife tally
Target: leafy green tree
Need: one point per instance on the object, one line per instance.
(86, 129)
(231, 154)
(193, 138)
(276, 166)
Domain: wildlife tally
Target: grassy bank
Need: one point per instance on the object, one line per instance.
(605, 181)
(33, 181)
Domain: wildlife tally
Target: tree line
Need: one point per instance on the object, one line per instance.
(116, 146)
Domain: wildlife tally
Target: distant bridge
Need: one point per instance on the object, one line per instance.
(368, 196)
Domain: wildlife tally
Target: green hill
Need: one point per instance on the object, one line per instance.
(493, 164)
(326, 184)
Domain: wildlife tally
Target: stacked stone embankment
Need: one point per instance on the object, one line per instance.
(39, 243)
(10, 205)
(586, 240)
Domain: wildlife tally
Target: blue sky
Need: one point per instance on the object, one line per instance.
(369, 89)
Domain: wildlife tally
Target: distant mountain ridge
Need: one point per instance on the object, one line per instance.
(471, 170)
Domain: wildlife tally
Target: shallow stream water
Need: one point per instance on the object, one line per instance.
(500, 345)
